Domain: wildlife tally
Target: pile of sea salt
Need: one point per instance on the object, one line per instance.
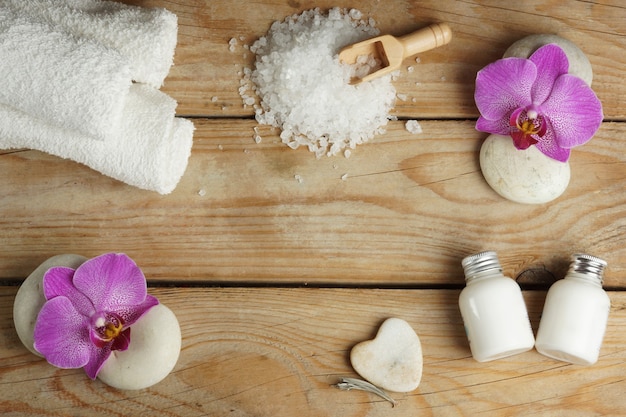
(304, 90)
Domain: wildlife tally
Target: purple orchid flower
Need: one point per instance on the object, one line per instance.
(537, 102)
(89, 311)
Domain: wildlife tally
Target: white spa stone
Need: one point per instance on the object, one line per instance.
(155, 337)
(155, 342)
(524, 176)
(579, 64)
(29, 298)
(393, 359)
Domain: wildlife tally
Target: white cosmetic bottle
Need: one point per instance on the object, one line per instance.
(575, 314)
(493, 310)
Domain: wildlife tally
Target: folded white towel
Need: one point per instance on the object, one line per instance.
(151, 151)
(145, 36)
(70, 82)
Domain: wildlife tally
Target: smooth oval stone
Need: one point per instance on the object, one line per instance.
(579, 64)
(524, 176)
(155, 341)
(29, 298)
(393, 359)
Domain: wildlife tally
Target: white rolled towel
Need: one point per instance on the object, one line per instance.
(146, 37)
(151, 152)
(69, 82)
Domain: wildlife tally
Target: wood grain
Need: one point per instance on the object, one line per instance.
(271, 351)
(277, 263)
(482, 31)
(403, 210)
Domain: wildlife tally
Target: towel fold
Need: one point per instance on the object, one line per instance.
(151, 151)
(146, 37)
(67, 88)
(70, 82)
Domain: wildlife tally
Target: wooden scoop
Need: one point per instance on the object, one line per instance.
(391, 51)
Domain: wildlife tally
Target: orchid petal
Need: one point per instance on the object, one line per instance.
(110, 281)
(548, 146)
(497, 127)
(57, 281)
(131, 313)
(503, 86)
(96, 360)
(574, 111)
(551, 62)
(62, 335)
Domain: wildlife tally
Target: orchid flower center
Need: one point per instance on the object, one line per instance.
(109, 326)
(531, 124)
(526, 126)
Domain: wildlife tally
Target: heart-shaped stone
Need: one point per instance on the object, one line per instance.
(393, 359)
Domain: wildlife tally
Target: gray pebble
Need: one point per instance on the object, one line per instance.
(29, 298)
(579, 64)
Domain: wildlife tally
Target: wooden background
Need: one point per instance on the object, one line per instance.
(274, 280)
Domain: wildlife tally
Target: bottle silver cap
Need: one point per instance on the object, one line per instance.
(588, 265)
(480, 262)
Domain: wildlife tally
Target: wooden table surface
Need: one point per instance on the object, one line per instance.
(274, 280)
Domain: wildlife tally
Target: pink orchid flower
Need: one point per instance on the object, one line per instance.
(536, 102)
(89, 311)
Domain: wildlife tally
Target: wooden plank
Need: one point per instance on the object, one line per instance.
(276, 352)
(206, 69)
(408, 208)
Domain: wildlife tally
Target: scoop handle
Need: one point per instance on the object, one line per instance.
(425, 39)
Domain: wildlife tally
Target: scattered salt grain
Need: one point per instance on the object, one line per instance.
(304, 90)
(344, 177)
(413, 126)
(232, 43)
(410, 68)
(202, 192)
(418, 60)
(213, 99)
(298, 178)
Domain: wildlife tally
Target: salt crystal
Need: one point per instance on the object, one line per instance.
(344, 177)
(231, 44)
(305, 91)
(202, 192)
(410, 68)
(213, 99)
(355, 14)
(298, 178)
(413, 126)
